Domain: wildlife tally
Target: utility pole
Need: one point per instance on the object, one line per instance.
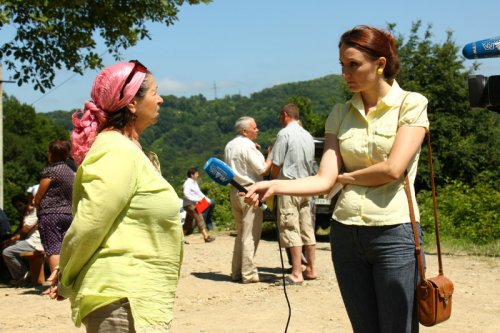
(1, 137)
(215, 90)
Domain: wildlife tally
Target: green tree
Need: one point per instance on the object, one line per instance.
(57, 33)
(463, 139)
(26, 140)
(313, 122)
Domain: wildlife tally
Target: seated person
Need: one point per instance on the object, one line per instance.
(25, 239)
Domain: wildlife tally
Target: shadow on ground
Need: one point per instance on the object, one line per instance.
(264, 274)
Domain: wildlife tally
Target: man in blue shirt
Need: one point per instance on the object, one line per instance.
(292, 157)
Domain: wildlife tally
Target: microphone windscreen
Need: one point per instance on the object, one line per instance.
(218, 171)
(486, 48)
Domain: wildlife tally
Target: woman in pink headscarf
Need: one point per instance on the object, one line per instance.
(121, 257)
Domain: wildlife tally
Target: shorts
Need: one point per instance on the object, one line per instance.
(295, 221)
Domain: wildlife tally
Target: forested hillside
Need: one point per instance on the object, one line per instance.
(190, 130)
(465, 141)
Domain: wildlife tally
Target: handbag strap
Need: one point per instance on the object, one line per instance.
(418, 250)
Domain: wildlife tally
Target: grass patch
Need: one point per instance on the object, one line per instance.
(454, 246)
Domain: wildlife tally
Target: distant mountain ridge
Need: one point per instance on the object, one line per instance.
(191, 129)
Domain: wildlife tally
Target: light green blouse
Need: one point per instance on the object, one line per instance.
(126, 237)
(365, 140)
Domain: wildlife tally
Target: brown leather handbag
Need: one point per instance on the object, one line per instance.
(434, 295)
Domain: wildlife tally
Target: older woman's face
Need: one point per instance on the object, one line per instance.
(358, 71)
(147, 107)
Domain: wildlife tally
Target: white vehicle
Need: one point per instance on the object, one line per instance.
(182, 212)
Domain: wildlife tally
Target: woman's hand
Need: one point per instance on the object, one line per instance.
(345, 179)
(258, 192)
(54, 278)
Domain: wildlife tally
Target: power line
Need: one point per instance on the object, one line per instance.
(61, 84)
(52, 90)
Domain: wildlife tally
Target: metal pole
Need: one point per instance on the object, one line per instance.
(1, 139)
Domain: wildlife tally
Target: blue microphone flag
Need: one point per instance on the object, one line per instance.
(486, 48)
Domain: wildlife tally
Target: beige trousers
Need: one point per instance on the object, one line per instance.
(248, 222)
(112, 318)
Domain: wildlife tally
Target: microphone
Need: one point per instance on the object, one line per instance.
(486, 48)
(222, 174)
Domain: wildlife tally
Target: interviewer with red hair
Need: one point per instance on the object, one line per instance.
(374, 137)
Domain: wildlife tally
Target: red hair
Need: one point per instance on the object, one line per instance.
(374, 43)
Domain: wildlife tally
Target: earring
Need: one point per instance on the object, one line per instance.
(380, 71)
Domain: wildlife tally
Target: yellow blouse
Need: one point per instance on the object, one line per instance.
(366, 140)
(126, 237)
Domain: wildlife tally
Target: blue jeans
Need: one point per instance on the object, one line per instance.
(377, 272)
(207, 215)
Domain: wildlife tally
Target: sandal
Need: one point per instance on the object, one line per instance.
(289, 282)
(209, 239)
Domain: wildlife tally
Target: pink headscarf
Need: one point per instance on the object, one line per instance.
(109, 83)
(105, 99)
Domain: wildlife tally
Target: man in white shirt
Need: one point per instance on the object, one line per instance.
(193, 195)
(249, 166)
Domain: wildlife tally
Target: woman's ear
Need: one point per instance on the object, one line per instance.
(132, 106)
(382, 61)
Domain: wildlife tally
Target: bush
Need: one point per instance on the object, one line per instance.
(222, 213)
(468, 213)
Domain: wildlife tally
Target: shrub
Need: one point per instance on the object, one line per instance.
(465, 212)
(222, 213)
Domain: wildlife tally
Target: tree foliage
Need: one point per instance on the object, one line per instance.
(26, 140)
(57, 33)
(465, 141)
(190, 130)
(462, 139)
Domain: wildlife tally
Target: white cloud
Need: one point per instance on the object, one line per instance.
(168, 86)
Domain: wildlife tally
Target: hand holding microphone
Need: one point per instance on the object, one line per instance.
(222, 174)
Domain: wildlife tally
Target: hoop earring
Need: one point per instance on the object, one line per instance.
(380, 71)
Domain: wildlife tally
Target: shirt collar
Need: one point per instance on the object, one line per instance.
(242, 137)
(292, 123)
(392, 98)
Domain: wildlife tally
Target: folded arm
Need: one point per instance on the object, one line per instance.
(407, 142)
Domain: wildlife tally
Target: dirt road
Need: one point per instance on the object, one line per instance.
(208, 302)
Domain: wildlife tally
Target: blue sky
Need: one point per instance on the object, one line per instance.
(243, 46)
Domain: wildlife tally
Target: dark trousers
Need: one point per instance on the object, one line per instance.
(207, 216)
(377, 272)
